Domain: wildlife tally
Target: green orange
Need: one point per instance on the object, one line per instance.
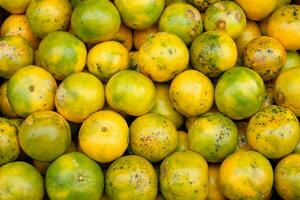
(74, 176)
(61, 58)
(9, 144)
(131, 177)
(240, 93)
(31, 89)
(15, 53)
(94, 21)
(20, 180)
(130, 92)
(78, 96)
(44, 135)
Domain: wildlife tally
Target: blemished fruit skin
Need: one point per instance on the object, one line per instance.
(140, 15)
(74, 176)
(162, 57)
(257, 9)
(9, 144)
(287, 91)
(140, 37)
(31, 89)
(213, 52)
(15, 53)
(249, 33)
(107, 58)
(44, 135)
(273, 131)
(239, 93)
(125, 37)
(163, 106)
(153, 137)
(18, 25)
(61, 58)
(225, 16)
(214, 136)
(20, 180)
(5, 106)
(104, 136)
(292, 60)
(266, 56)
(130, 92)
(15, 6)
(284, 25)
(214, 191)
(202, 5)
(239, 176)
(131, 177)
(78, 96)
(287, 181)
(95, 21)
(46, 16)
(183, 20)
(184, 175)
(183, 142)
(191, 93)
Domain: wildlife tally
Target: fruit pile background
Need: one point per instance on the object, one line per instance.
(149, 99)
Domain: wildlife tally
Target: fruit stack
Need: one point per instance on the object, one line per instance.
(149, 99)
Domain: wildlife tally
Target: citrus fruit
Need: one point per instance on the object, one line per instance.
(273, 131)
(284, 26)
(125, 37)
(213, 52)
(61, 58)
(246, 175)
(31, 89)
(131, 177)
(5, 106)
(214, 136)
(184, 175)
(225, 16)
(183, 20)
(140, 37)
(15, 6)
(163, 106)
(266, 56)
(250, 32)
(140, 14)
(292, 60)
(46, 16)
(20, 180)
(18, 25)
(44, 135)
(153, 137)
(183, 142)
(78, 96)
(9, 145)
(287, 181)
(214, 190)
(94, 21)
(107, 58)
(287, 91)
(257, 9)
(74, 176)
(239, 93)
(162, 57)
(130, 92)
(191, 93)
(15, 53)
(104, 136)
